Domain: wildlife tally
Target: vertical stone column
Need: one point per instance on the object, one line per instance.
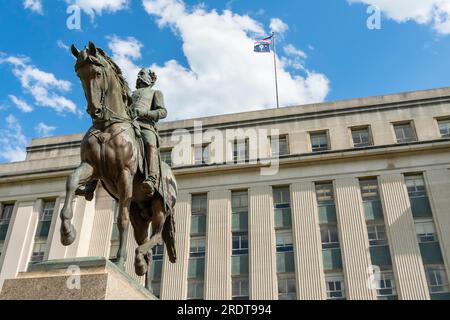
(17, 253)
(218, 246)
(307, 243)
(102, 224)
(438, 186)
(262, 257)
(84, 222)
(174, 276)
(354, 239)
(406, 259)
(83, 219)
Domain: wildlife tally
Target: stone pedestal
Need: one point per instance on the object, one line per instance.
(74, 279)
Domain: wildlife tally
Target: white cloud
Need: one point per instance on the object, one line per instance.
(33, 5)
(125, 52)
(291, 50)
(277, 25)
(44, 130)
(62, 45)
(21, 104)
(431, 12)
(12, 141)
(294, 58)
(224, 75)
(96, 7)
(43, 86)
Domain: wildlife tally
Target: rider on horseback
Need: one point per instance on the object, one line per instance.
(148, 107)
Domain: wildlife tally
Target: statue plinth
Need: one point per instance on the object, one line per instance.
(91, 278)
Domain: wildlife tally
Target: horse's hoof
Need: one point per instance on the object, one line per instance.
(140, 265)
(67, 238)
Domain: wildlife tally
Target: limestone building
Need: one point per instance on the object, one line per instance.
(359, 207)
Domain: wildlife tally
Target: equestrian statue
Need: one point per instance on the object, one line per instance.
(121, 150)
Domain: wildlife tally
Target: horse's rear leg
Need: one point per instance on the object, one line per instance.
(125, 186)
(140, 224)
(158, 218)
(80, 176)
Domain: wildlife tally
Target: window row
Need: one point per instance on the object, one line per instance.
(361, 137)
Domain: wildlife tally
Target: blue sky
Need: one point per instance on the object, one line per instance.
(203, 55)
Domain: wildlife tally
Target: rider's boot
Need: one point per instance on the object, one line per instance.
(149, 183)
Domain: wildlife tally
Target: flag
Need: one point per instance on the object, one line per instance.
(263, 45)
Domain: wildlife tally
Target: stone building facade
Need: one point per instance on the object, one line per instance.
(358, 208)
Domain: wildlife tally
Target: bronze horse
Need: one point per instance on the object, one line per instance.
(110, 153)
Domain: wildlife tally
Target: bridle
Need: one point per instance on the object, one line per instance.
(106, 113)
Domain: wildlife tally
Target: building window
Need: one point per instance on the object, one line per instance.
(361, 137)
(420, 205)
(239, 210)
(166, 156)
(197, 247)
(240, 290)
(324, 193)
(437, 279)
(319, 141)
(195, 289)
(287, 287)
(335, 287)
(369, 189)
(425, 231)
(158, 253)
(198, 218)
(444, 128)
(39, 249)
(284, 241)
(42, 231)
(201, 154)
(377, 235)
(240, 244)
(404, 132)
(279, 146)
(282, 207)
(241, 151)
(5, 219)
(416, 186)
(386, 286)
(329, 235)
(156, 288)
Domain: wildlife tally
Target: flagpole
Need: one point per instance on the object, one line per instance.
(275, 67)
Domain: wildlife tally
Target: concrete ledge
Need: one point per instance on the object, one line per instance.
(99, 279)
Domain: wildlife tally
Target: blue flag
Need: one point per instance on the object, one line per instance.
(263, 45)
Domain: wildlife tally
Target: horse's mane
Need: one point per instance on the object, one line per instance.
(126, 92)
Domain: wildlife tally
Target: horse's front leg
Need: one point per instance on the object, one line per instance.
(125, 186)
(80, 176)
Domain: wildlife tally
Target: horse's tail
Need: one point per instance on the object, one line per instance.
(168, 235)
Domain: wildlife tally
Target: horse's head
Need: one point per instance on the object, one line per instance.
(91, 68)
